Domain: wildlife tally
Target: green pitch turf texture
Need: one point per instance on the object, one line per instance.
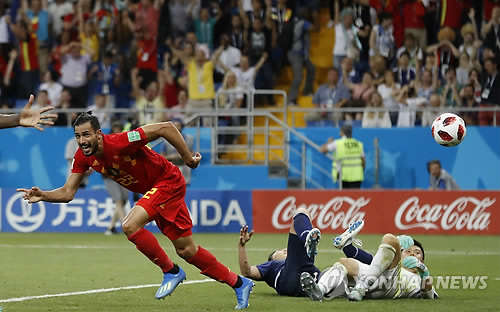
(41, 264)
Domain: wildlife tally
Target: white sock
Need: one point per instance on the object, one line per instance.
(332, 282)
(381, 262)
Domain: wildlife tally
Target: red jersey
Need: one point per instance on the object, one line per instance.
(146, 55)
(28, 53)
(129, 162)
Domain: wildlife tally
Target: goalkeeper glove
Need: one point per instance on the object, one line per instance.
(405, 241)
(411, 262)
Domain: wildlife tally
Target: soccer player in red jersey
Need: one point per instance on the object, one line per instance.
(125, 158)
(28, 117)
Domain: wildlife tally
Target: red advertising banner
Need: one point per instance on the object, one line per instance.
(413, 212)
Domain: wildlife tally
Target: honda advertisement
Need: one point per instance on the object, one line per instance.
(91, 211)
(415, 212)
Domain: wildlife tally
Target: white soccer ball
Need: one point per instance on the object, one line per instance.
(448, 129)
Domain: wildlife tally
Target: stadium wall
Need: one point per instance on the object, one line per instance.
(30, 157)
(268, 211)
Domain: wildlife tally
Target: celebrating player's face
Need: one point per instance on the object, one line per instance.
(87, 139)
(280, 254)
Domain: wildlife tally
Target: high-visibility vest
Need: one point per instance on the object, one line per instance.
(348, 152)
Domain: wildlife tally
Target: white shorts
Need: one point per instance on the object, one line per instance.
(386, 286)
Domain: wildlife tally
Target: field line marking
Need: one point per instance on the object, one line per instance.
(95, 291)
(435, 252)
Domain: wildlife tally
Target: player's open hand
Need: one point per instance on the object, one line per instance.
(32, 195)
(245, 235)
(32, 118)
(194, 161)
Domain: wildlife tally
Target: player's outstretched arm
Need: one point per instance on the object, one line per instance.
(246, 269)
(28, 117)
(63, 194)
(169, 132)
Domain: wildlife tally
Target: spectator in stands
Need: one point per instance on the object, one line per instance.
(347, 43)
(387, 90)
(299, 58)
(28, 57)
(170, 86)
(434, 109)
(204, 28)
(171, 154)
(106, 76)
(490, 96)
(446, 53)
(329, 95)
(38, 17)
(403, 72)
(147, 60)
(471, 42)
(52, 87)
(177, 111)
(450, 88)
(413, 49)
(229, 101)
(56, 54)
(491, 31)
(245, 75)
(468, 100)
(259, 44)
(373, 119)
(236, 34)
(347, 67)
(41, 101)
(229, 57)
(439, 178)
(178, 17)
(414, 12)
(200, 80)
(465, 65)
(65, 119)
(147, 16)
(475, 81)
(74, 72)
(7, 71)
(100, 109)
(408, 102)
(57, 10)
(148, 103)
(88, 35)
(426, 83)
(349, 154)
(382, 39)
(377, 69)
(361, 94)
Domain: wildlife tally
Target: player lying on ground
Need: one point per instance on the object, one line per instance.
(125, 158)
(28, 117)
(396, 271)
(283, 268)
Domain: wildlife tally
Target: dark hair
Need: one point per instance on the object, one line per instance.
(347, 129)
(87, 117)
(333, 69)
(270, 258)
(452, 69)
(492, 60)
(384, 16)
(419, 245)
(405, 53)
(433, 162)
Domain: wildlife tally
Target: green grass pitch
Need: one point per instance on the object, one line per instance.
(40, 264)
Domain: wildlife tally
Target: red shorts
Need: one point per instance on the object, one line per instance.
(165, 205)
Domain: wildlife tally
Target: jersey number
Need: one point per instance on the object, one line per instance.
(126, 180)
(150, 192)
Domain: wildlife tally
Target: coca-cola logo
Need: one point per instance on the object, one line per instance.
(337, 212)
(464, 212)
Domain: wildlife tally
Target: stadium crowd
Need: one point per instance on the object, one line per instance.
(148, 55)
